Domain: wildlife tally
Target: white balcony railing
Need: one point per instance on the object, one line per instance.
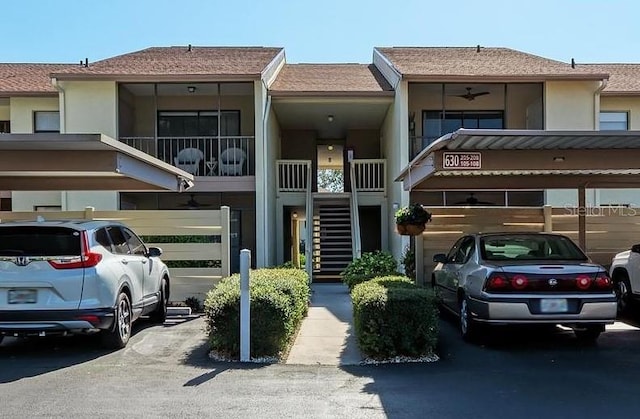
(293, 175)
(370, 175)
(221, 156)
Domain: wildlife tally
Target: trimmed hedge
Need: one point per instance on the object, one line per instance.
(368, 266)
(279, 302)
(394, 317)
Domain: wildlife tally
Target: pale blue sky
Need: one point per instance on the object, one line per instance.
(319, 31)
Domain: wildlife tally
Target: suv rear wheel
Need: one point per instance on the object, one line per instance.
(119, 336)
(159, 314)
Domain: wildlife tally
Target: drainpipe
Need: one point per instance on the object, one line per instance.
(64, 198)
(62, 105)
(596, 104)
(264, 179)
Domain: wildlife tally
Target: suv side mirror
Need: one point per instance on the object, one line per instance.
(635, 248)
(154, 252)
(440, 258)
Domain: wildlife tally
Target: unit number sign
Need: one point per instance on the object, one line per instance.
(461, 160)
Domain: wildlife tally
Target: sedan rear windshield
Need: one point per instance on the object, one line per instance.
(39, 241)
(532, 247)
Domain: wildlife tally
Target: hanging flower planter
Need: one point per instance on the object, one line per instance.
(412, 220)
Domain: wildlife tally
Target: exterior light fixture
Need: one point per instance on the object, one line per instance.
(330, 147)
(191, 89)
(330, 118)
(295, 214)
(558, 159)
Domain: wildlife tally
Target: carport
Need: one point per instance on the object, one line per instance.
(51, 161)
(513, 159)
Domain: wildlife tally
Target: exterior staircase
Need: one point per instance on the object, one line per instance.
(332, 242)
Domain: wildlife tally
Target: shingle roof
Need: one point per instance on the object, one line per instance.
(180, 61)
(623, 78)
(339, 79)
(28, 79)
(461, 62)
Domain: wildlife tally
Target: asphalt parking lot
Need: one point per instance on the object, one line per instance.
(165, 372)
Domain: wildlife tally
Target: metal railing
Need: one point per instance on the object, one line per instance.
(355, 215)
(217, 156)
(308, 250)
(294, 175)
(369, 175)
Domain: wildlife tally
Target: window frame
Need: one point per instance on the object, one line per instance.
(625, 113)
(35, 122)
(198, 114)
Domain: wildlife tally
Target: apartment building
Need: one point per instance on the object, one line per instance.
(306, 155)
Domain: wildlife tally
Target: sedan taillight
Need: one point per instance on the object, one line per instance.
(496, 282)
(87, 259)
(603, 281)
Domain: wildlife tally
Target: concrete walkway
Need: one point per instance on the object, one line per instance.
(326, 336)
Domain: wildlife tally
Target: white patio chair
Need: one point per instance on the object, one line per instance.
(188, 159)
(231, 161)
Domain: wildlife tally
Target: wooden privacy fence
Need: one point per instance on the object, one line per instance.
(195, 244)
(609, 229)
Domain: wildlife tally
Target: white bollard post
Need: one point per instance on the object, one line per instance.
(245, 312)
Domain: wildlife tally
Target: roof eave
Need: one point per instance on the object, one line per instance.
(329, 94)
(620, 93)
(34, 93)
(443, 78)
(157, 77)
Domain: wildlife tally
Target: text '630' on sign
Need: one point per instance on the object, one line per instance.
(461, 160)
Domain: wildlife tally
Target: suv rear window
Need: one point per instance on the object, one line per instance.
(39, 241)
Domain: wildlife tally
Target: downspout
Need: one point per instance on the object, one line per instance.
(596, 127)
(62, 105)
(596, 105)
(264, 178)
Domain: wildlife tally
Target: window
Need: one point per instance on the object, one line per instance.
(198, 123)
(437, 123)
(46, 121)
(102, 237)
(614, 121)
(135, 244)
(5, 127)
(119, 241)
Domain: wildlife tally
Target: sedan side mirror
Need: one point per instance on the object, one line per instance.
(635, 248)
(154, 252)
(440, 258)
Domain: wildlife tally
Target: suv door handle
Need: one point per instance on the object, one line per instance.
(124, 261)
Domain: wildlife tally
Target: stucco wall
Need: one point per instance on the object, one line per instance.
(570, 105)
(22, 109)
(630, 104)
(90, 107)
(273, 151)
(5, 109)
(395, 149)
(365, 143)
(27, 201)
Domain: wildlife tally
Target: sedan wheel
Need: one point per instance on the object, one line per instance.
(468, 327)
(119, 336)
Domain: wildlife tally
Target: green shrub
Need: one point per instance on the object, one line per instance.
(279, 302)
(408, 261)
(394, 317)
(368, 266)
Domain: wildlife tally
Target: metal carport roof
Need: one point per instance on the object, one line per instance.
(52, 161)
(522, 159)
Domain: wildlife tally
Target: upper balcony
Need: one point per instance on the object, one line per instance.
(206, 129)
(436, 109)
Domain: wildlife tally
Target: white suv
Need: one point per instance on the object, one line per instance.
(59, 277)
(625, 274)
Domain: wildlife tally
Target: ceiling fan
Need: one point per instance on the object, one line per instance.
(471, 96)
(192, 203)
(472, 200)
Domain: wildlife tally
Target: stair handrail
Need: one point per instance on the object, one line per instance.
(308, 248)
(355, 216)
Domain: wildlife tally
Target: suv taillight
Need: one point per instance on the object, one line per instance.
(86, 259)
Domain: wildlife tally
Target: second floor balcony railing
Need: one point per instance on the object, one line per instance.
(201, 156)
